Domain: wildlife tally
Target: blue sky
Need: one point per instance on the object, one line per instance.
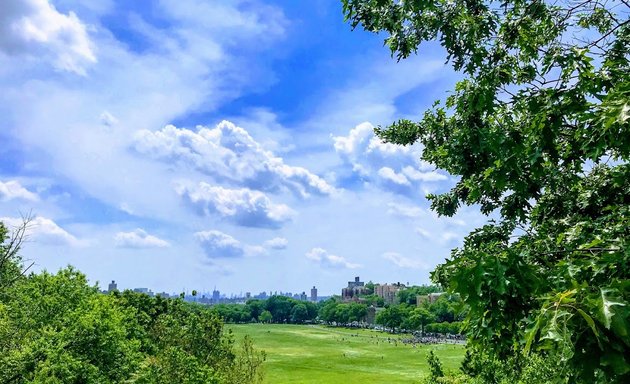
(188, 144)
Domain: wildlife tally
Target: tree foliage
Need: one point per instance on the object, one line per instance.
(265, 317)
(538, 133)
(282, 309)
(418, 319)
(408, 295)
(392, 317)
(56, 328)
(333, 311)
(11, 265)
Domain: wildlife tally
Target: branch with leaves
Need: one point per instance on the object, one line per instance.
(11, 241)
(538, 134)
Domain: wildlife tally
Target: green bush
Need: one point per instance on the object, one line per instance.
(55, 328)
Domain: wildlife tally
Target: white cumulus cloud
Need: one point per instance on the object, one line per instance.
(139, 238)
(14, 190)
(217, 245)
(174, 59)
(36, 28)
(392, 167)
(390, 175)
(328, 260)
(229, 153)
(45, 231)
(241, 206)
(276, 243)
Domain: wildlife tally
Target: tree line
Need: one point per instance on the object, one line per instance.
(275, 309)
(440, 316)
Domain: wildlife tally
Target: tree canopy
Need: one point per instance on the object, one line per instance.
(538, 133)
(56, 328)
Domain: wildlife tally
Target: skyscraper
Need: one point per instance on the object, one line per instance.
(112, 286)
(314, 294)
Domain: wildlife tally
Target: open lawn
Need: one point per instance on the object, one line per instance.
(317, 354)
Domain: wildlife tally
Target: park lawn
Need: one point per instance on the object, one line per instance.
(316, 354)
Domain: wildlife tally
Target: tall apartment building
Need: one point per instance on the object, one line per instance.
(112, 286)
(314, 294)
(388, 291)
(353, 290)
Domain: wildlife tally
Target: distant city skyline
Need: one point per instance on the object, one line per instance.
(328, 292)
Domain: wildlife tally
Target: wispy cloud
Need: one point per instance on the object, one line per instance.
(423, 232)
(14, 190)
(371, 91)
(36, 29)
(328, 260)
(404, 262)
(139, 238)
(45, 231)
(404, 210)
(450, 237)
(442, 236)
(277, 243)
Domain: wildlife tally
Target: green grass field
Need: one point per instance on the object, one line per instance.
(322, 355)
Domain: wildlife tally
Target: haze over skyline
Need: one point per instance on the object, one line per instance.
(189, 143)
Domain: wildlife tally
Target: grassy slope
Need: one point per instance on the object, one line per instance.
(317, 354)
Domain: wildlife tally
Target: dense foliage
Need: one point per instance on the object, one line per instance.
(334, 311)
(443, 315)
(409, 294)
(276, 309)
(538, 133)
(56, 328)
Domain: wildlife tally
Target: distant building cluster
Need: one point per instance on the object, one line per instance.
(353, 292)
(357, 288)
(217, 298)
(388, 291)
(113, 287)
